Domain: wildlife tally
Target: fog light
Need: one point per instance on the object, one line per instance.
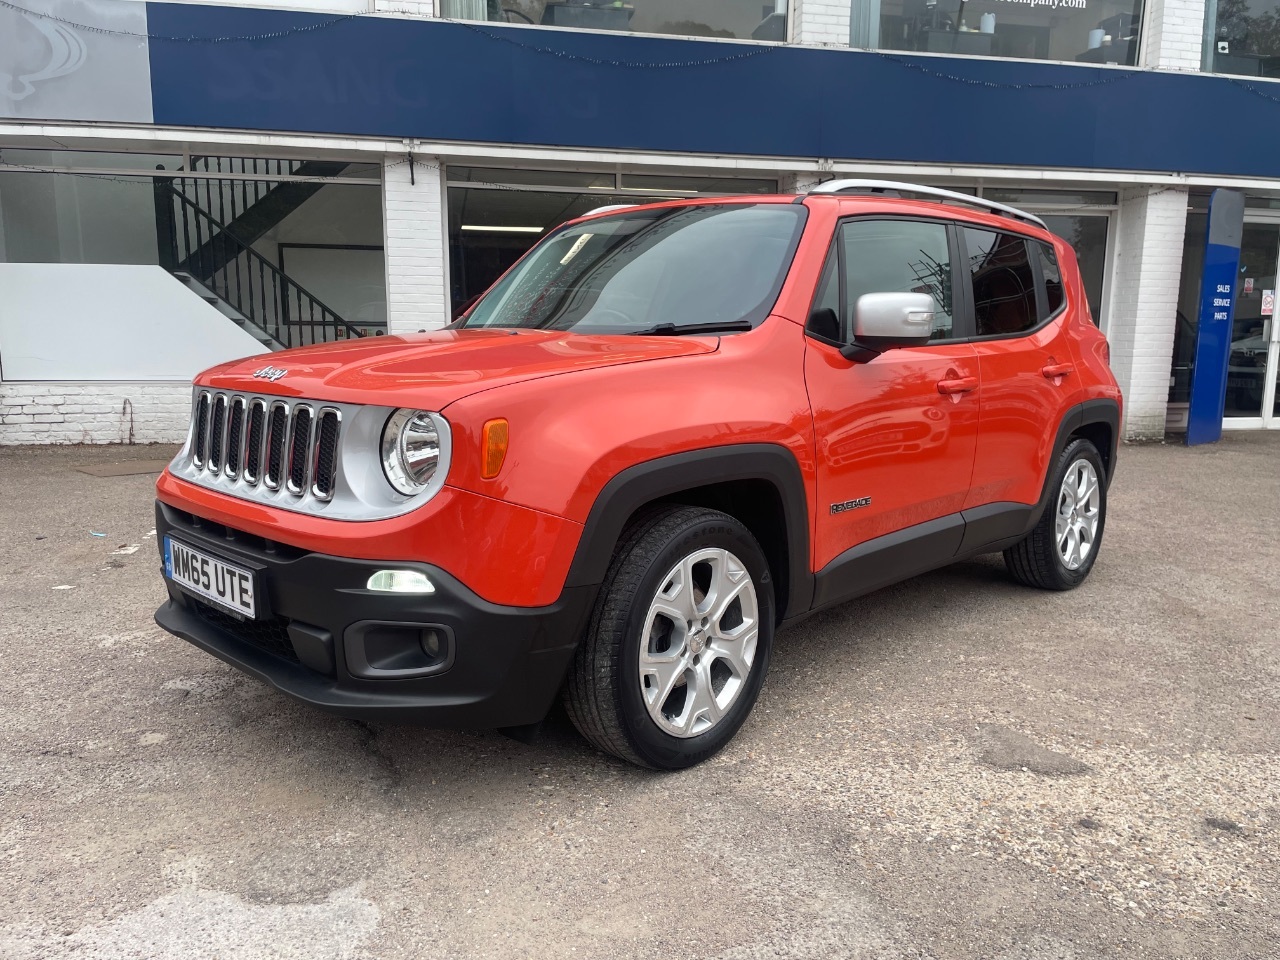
(400, 581)
(433, 643)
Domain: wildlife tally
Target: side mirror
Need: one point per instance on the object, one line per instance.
(887, 320)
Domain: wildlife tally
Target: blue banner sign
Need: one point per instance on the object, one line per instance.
(1217, 313)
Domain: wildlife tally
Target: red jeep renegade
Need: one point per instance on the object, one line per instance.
(666, 431)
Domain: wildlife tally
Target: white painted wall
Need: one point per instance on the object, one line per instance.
(1174, 34)
(407, 8)
(415, 232)
(96, 322)
(820, 22)
(1144, 303)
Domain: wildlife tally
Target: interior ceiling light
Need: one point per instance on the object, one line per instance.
(479, 228)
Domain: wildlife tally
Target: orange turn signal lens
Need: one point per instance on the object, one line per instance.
(493, 448)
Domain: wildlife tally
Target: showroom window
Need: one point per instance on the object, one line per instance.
(289, 250)
(1083, 31)
(1243, 37)
(730, 19)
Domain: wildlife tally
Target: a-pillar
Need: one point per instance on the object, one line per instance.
(415, 235)
(1144, 303)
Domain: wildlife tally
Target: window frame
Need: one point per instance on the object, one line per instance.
(1037, 273)
(962, 324)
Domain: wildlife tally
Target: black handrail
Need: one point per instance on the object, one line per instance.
(247, 280)
(234, 196)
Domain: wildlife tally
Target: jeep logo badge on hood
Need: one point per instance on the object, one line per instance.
(269, 373)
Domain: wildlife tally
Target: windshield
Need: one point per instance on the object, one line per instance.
(644, 269)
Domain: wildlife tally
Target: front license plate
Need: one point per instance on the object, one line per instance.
(219, 582)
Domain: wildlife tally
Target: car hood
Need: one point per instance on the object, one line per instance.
(431, 370)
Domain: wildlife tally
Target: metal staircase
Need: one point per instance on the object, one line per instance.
(206, 228)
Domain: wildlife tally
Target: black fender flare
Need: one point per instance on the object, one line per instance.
(666, 476)
(1104, 410)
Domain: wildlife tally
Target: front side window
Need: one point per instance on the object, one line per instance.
(1246, 37)
(734, 19)
(1004, 282)
(650, 270)
(1083, 31)
(898, 256)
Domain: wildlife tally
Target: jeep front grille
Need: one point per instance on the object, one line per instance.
(318, 457)
(235, 435)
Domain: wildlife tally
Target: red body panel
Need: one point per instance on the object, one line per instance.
(505, 553)
(886, 433)
(884, 430)
(566, 444)
(430, 370)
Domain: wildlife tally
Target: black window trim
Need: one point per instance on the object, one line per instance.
(1037, 272)
(961, 319)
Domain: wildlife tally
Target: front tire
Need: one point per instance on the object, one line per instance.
(1061, 549)
(679, 640)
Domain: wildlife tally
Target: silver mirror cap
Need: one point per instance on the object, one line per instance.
(894, 318)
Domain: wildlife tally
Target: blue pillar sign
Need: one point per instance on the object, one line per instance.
(1217, 313)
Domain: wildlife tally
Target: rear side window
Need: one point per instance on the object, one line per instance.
(1052, 277)
(1004, 283)
(898, 256)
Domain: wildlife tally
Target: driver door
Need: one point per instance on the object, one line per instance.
(896, 435)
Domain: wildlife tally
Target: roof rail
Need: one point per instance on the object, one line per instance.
(607, 209)
(886, 186)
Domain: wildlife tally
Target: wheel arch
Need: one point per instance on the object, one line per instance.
(759, 484)
(1097, 421)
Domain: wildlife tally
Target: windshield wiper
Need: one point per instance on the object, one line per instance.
(676, 330)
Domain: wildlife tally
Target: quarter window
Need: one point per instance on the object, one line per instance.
(1052, 277)
(1004, 286)
(898, 256)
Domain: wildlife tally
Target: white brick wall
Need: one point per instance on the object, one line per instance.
(53, 412)
(1174, 34)
(1144, 303)
(414, 229)
(820, 22)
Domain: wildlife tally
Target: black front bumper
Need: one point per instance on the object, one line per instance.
(504, 665)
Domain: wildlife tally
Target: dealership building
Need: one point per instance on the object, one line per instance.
(185, 183)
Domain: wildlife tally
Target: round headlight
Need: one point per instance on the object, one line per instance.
(410, 450)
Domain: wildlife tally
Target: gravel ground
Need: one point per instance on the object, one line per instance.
(954, 767)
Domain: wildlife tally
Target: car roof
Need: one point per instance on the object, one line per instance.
(852, 204)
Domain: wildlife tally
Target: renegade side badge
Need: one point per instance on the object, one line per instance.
(851, 505)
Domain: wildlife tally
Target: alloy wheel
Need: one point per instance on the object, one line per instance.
(1078, 513)
(699, 642)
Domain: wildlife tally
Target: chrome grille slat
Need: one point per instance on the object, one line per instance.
(301, 424)
(256, 442)
(277, 435)
(217, 432)
(325, 469)
(235, 436)
(200, 450)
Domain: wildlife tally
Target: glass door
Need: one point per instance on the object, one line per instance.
(1252, 367)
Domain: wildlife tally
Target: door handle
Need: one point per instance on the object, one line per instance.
(1054, 370)
(958, 385)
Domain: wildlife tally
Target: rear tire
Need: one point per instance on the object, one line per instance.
(1061, 549)
(679, 640)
